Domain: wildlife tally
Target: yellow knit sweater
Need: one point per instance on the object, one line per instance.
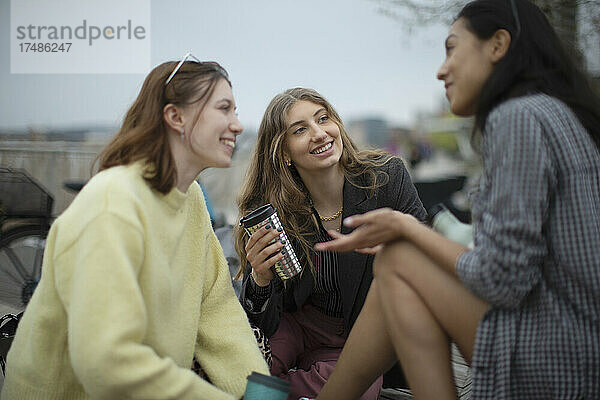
(134, 283)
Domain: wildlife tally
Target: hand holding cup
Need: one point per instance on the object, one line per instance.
(263, 250)
(271, 243)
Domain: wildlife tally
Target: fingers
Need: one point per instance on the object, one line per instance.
(341, 243)
(272, 254)
(264, 234)
(371, 229)
(368, 217)
(263, 250)
(377, 216)
(370, 250)
(377, 248)
(334, 234)
(326, 245)
(262, 273)
(365, 236)
(259, 240)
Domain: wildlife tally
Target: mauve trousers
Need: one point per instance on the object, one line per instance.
(310, 342)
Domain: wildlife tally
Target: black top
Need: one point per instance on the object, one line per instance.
(327, 295)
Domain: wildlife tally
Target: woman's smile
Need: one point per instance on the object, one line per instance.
(324, 150)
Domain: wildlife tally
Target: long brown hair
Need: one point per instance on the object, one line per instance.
(270, 180)
(143, 135)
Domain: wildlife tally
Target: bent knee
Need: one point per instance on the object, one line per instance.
(390, 259)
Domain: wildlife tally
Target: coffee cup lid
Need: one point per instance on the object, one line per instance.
(271, 381)
(258, 215)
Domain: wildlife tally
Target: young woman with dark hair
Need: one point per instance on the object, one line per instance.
(306, 165)
(135, 285)
(523, 305)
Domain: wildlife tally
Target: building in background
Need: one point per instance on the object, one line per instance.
(369, 132)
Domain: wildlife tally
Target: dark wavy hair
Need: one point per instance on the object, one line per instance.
(536, 61)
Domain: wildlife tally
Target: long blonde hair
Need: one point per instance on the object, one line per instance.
(270, 180)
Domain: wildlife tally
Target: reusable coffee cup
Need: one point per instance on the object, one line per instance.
(265, 387)
(288, 266)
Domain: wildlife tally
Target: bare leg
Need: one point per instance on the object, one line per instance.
(423, 304)
(457, 310)
(420, 343)
(367, 354)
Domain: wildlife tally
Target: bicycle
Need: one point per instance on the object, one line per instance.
(25, 217)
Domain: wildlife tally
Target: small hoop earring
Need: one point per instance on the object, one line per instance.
(288, 163)
(182, 134)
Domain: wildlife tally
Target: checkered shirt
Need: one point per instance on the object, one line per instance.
(536, 218)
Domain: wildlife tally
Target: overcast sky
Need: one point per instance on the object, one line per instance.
(363, 62)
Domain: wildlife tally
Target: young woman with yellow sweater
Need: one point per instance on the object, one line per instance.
(134, 283)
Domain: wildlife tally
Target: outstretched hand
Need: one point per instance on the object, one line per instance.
(372, 230)
(364, 250)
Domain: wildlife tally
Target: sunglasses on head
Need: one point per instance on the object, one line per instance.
(184, 59)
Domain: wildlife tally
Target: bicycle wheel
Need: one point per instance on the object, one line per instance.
(21, 252)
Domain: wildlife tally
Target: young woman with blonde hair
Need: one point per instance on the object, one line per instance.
(308, 168)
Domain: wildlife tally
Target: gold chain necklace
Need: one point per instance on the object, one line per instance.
(332, 217)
